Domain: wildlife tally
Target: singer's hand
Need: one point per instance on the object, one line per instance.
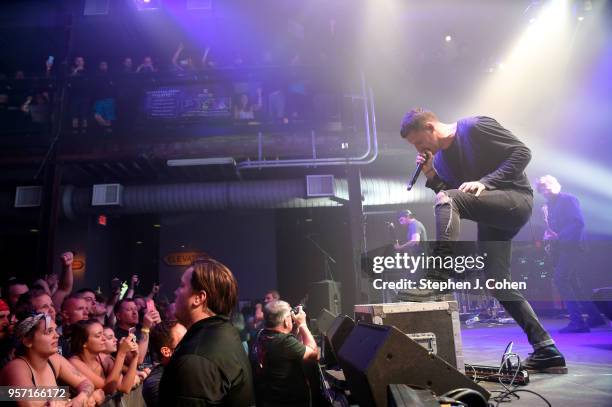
(425, 159)
(473, 187)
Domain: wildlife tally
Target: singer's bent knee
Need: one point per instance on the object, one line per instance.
(442, 198)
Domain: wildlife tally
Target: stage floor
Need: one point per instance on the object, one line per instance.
(588, 356)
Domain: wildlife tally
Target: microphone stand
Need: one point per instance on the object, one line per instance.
(327, 258)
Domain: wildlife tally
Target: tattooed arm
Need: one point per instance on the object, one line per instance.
(72, 377)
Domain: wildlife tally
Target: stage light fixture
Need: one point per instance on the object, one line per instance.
(448, 38)
(145, 5)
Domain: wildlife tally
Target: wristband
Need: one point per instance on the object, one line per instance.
(145, 330)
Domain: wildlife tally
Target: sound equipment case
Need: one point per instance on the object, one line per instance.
(421, 319)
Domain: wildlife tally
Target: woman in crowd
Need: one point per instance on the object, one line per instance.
(37, 363)
(91, 357)
(244, 109)
(111, 341)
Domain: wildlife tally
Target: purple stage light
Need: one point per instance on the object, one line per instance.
(142, 5)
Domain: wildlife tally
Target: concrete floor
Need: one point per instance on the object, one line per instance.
(588, 356)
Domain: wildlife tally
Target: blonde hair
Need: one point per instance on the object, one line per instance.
(550, 181)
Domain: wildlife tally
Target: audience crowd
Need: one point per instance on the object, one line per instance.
(98, 93)
(200, 349)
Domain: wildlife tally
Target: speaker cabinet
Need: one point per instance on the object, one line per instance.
(324, 294)
(374, 356)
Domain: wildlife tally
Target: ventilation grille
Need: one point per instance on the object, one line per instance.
(320, 185)
(107, 194)
(28, 197)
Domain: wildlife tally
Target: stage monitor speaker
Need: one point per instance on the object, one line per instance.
(602, 297)
(400, 395)
(437, 320)
(337, 333)
(324, 321)
(323, 294)
(374, 356)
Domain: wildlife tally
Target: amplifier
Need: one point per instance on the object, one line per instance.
(434, 325)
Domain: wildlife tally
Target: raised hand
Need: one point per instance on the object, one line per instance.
(67, 259)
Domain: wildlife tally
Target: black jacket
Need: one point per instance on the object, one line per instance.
(209, 367)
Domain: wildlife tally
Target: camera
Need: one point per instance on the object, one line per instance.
(296, 310)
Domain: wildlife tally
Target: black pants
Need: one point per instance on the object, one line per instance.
(566, 276)
(500, 214)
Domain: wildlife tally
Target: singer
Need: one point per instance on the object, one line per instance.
(476, 168)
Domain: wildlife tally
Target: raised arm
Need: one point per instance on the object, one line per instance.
(176, 55)
(132, 289)
(312, 350)
(150, 318)
(154, 292)
(129, 377)
(114, 380)
(66, 280)
(205, 57)
(113, 299)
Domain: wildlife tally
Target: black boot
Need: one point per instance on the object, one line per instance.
(437, 275)
(545, 360)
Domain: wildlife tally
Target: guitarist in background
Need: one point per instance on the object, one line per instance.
(564, 237)
(416, 235)
(414, 244)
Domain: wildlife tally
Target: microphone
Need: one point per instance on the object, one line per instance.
(390, 224)
(416, 174)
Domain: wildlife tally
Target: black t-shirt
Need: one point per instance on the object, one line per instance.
(281, 378)
(150, 387)
(416, 227)
(102, 86)
(482, 151)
